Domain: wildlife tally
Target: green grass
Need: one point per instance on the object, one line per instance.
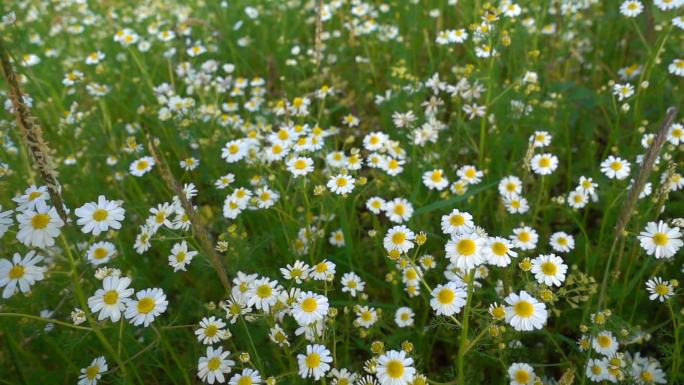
(577, 66)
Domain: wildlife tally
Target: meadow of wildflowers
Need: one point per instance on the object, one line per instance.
(342, 192)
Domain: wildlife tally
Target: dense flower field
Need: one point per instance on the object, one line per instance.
(341, 192)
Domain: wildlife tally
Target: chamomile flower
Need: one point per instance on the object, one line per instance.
(100, 252)
(20, 274)
(435, 180)
(615, 168)
(399, 238)
(470, 174)
(525, 238)
(352, 283)
(315, 362)
(263, 293)
(341, 184)
(403, 317)
(466, 250)
(605, 343)
(101, 216)
(31, 197)
(562, 242)
(141, 166)
(212, 367)
(659, 289)
(110, 301)
(549, 270)
(225, 181)
(38, 227)
(211, 331)
(510, 185)
(631, 8)
(300, 166)
(499, 251)
(577, 199)
(521, 374)
(309, 308)
(394, 368)
(248, 376)
(148, 305)
(540, 139)
(597, 370)
(516, 204)
(675, 135)
(457, 222)
(375, 205)
(180, 256)
(399, 210)
(676, 67)
(448, 299)
(366, 316)
(544, 164)
(524, 312)
(660, 240)
(91, 374)
(298, 272)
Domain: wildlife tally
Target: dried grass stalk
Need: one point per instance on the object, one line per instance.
(644, 172)
(199, 230)
(32, 133)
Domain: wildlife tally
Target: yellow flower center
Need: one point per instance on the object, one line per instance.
(300, 164)
(544, 162)
(446, 296)
(142, 165)
(499, 248)
(549, 268)
(398, 238)
(604, 341)
(524, 236)
(522, 376)
(341, 182)
(264, 291)
(309, 305)
(660, 289)
(92, 371)
(246, 380)
(313, 360)
(466, 247)
(211, 330)
(100, 215)
(110, 297)
(100, 253)
(214, 363)
(17, 272)
(457, 220)
(660, 239)
(34, 195)
(523, 309)
(40, 221)
(395, 369)
(616, 166)
(146, 305)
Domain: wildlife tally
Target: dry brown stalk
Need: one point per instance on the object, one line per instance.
(644, 172)
(32, 133)
(199, 230)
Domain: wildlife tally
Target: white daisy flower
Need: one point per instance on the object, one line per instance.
(141, 166)
(615, 168)
(100, 252)
(544, 164)
(521, 374)
(499, 251)
(309, 308)
(91, 375)
(549, 270)
(148, 305)
(101, 216)
(659, 289)
(263, 293)
(352, 283)
(631, 8)
(341, 184)
(403, 317)
(315, 363)
(31, 197)
(660, 240)
(110, 300)
(180, 256)
(394, 368)
(211, 331)
(466, 250)
(20, 273)
(524, 312)
(399, 210)
(246, 377)
(525, 238)
(399, 238)
(448, 299)
(457, 222)
(38, 227)
(562, 242)
(214, 365)
(605, 343)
